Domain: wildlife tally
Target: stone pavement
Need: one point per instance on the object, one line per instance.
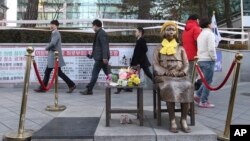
(37, 117)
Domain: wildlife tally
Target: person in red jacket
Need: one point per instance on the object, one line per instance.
(189, 39)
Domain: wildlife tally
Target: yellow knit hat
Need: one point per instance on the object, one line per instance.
(168, 23)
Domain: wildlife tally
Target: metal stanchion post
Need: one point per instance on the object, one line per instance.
(225, 136)
(22, 134)
(56, 107)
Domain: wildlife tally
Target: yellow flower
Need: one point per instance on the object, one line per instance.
(130, 83)
(133, 75)
(136, 80)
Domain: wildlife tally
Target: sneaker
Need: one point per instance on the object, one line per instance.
(196, 100)
(128, 120)
(206, 105)
(122, 119)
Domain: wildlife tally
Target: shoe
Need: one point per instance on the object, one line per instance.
(71, 89)
(185, 129)
(197, 84)
(128, 120)
(196, 100)
(206, 105)
(128, 90)
(86, 92)
(39, 90)
(122, 119)
(118, 91)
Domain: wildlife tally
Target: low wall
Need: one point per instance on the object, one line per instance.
(227, 58)
(122, 53)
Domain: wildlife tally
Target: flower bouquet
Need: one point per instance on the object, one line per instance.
(125, 77)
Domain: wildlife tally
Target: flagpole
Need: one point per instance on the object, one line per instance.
(242, 24)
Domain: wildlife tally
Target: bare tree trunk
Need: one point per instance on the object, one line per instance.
(144, 9)
(203, 6)
(228, 13)
(31, 12)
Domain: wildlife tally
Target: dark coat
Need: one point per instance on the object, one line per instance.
(101, 46)
(140, 53)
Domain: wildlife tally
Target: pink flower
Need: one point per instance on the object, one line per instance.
(123, 75)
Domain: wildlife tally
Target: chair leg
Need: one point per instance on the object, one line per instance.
(154, 103)
(192, 114)
(158, 108)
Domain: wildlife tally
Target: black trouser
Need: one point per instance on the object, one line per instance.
(62, 75)
(147, 72)
(98, 65)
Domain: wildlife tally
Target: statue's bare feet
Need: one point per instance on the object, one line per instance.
(173, 127)
(184, 126)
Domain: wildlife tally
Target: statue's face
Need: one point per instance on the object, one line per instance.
(170, 32)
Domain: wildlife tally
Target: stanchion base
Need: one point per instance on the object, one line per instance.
(55, 108)
(222, 138)
(14, 136)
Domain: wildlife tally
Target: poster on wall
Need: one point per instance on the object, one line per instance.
(12, 64)
(78, 65)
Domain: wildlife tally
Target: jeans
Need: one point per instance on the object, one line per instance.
(98, 65)
(207, 68)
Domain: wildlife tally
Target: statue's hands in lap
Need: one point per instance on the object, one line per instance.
(181, 74)
(171, 73)
(175, 74)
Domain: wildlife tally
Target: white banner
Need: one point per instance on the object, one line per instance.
(78, 66)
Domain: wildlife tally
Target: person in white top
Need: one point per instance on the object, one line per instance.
(207, 57)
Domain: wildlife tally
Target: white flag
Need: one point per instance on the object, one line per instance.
(215, 31)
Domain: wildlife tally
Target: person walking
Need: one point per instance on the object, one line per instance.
(207, 57)
(139, 57)
(189, 39)
(55, 45)
(101, 55)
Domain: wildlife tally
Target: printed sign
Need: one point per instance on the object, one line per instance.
(12, 64)
(78, 66)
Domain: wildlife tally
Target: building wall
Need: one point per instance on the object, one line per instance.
(3, 9)
(76, 9)
(227, 58)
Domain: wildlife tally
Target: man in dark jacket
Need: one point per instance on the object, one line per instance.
(101, 55)
(139, 57)
(189, 39)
